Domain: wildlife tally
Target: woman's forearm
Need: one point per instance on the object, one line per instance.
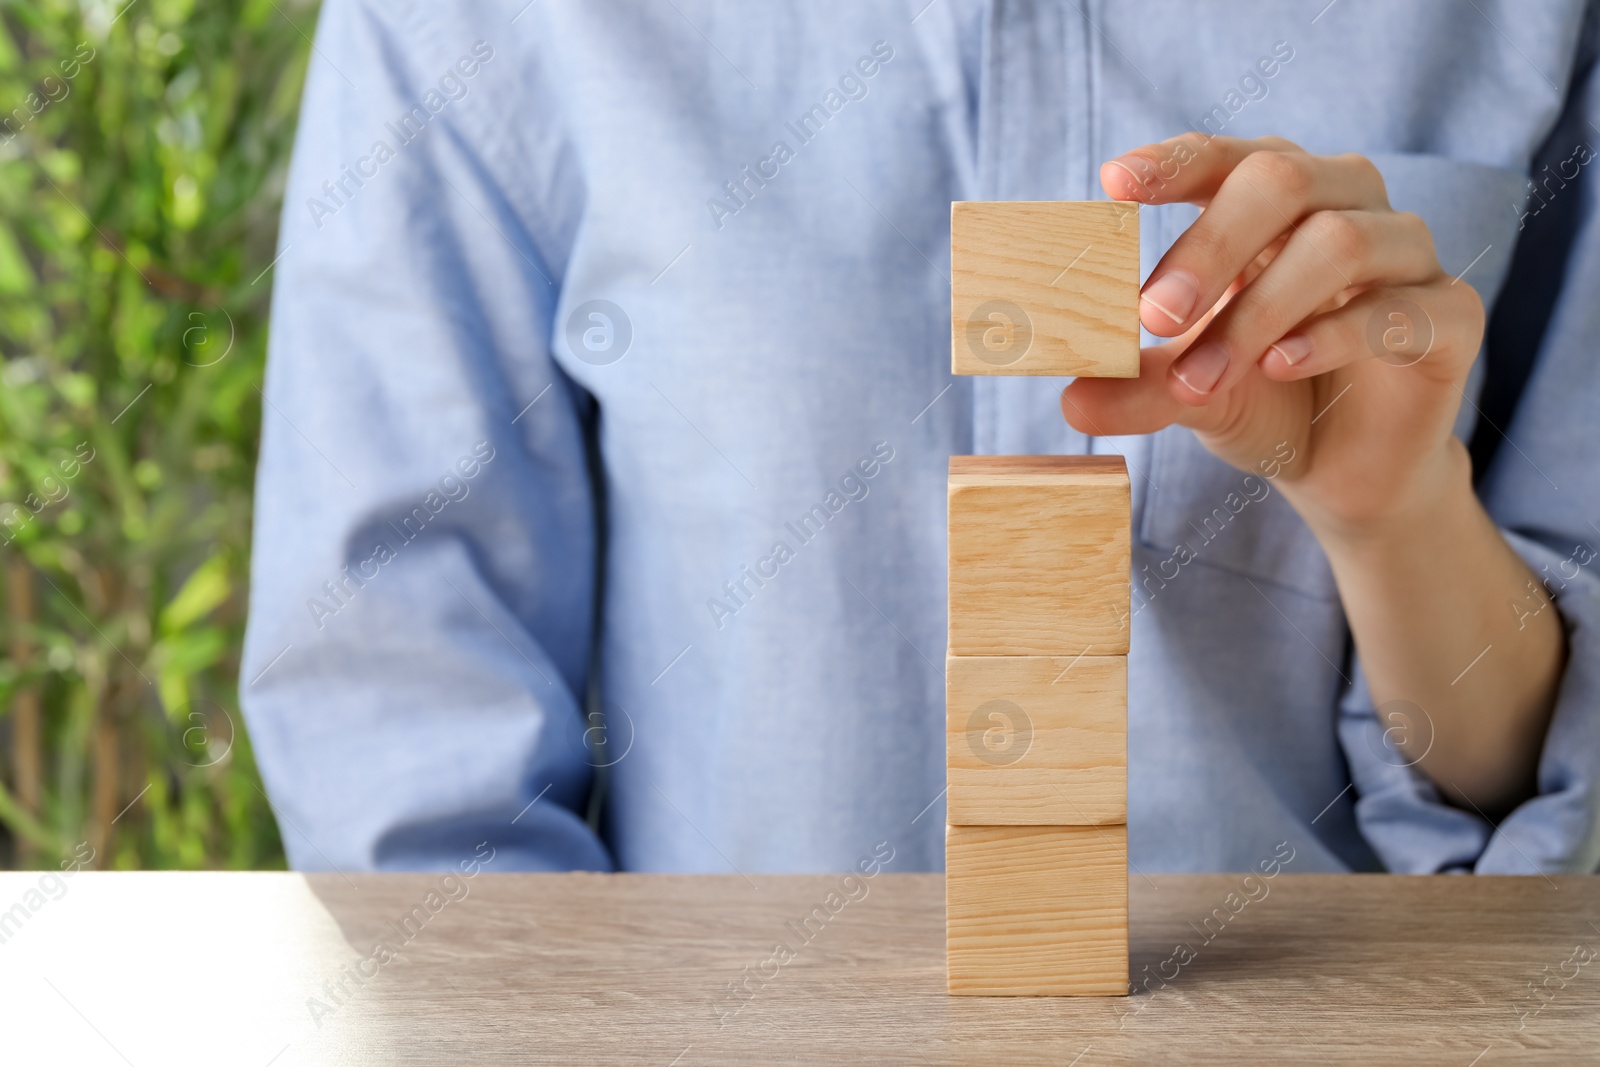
(1446, 616)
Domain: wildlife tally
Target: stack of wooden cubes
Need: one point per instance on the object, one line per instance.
(1036, 677)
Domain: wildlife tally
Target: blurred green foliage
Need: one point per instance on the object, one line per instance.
(142, 158)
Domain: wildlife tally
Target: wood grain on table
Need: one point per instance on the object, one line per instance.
(259, 969)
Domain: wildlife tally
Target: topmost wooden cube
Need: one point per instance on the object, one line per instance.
(1044, 288)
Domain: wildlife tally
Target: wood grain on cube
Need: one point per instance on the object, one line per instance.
(1039, 555)
(1037, 740)
(1045, 287)
(1037, 910)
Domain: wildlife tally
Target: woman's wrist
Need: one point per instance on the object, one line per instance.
(1425, 586)
(1438, 503)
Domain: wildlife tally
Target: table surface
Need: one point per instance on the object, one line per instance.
(246, 969)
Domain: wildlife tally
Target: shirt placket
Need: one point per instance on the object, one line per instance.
(1034, 131)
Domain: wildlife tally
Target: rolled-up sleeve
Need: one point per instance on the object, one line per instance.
(424, 562)
(1543, 489)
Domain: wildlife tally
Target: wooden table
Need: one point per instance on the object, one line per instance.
(244, 969)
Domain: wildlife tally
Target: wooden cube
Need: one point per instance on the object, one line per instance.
(1037, 910)
(1047, 287)
(1037, 740)
(1039, 555)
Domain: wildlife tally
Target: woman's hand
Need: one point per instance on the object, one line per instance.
(1305, 313)
(1303, 309)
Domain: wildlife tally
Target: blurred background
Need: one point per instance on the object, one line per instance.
(143, 149)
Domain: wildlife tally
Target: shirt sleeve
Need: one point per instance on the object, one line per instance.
(1543, 489)
(424, 569)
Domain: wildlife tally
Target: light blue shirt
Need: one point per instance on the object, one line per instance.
(609, 401)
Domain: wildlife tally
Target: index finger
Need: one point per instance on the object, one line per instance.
(1189, 168)
(1255, 191)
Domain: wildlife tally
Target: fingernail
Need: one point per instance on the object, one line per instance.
(1201, 368)
(1293, 349)
(1174, 294)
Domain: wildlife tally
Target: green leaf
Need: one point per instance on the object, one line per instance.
(180, 658)
(16, 276)
(205, 589)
